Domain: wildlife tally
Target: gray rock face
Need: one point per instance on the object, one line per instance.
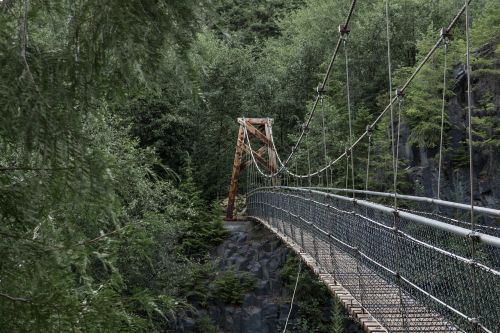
(252, 248)
(423, 163)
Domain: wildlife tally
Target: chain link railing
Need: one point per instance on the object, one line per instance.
(408, 268)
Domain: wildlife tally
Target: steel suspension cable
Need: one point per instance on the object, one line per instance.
(397, 152)
(368, 164)
(308, 158)
(446, 41)
(324, 136)
(351, 152)
(296, 171)
(368, 161)
(471, 170)
(483, 210)
(389, 69)
(407, 280)
(293, 295)
(469, 111)
(394, 167)
(390, 211)
(396, 218)
(425, 59)
(321, 87)
(346, 171)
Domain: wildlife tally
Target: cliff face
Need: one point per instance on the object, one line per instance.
(423, 163)
(252, 248)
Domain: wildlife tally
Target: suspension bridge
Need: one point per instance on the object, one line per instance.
(398, 263)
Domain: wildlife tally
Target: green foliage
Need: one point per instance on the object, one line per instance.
(487, 125)
(201, 231)
(264, 58)
(312, 298)
(338, 316)
(486, 27)
(249, 22)
(229, 286)
(89, 230)
(90, 245)
(104, 224)
(486, 117)
(208, 284)
(196, 289)
(422, 104)
(199, 236)
(205, 325)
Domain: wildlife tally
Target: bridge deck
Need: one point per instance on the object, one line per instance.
(355, 284)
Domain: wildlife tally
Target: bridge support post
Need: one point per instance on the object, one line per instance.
(252, 128)
(233, 187)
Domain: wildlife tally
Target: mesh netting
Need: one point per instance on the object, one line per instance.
(411, 276)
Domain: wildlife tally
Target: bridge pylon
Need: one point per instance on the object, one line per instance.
(265, 156)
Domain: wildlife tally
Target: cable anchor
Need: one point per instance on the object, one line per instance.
(321, 89)
(344, 32)
(305, 128)
(369, 130)
(474, 321)
(400, 94)
(446, 35)
(473, 236)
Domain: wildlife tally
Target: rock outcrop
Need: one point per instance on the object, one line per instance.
(252, 248)
(423, 162)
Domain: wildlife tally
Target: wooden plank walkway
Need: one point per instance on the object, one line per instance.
(369, 299)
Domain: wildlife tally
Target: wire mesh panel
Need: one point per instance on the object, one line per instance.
(411, 272)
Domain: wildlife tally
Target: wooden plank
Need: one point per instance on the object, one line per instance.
(371, 324)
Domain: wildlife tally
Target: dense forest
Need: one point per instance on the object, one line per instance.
(118, 127)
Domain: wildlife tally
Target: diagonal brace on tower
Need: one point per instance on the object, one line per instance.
(261, 129)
